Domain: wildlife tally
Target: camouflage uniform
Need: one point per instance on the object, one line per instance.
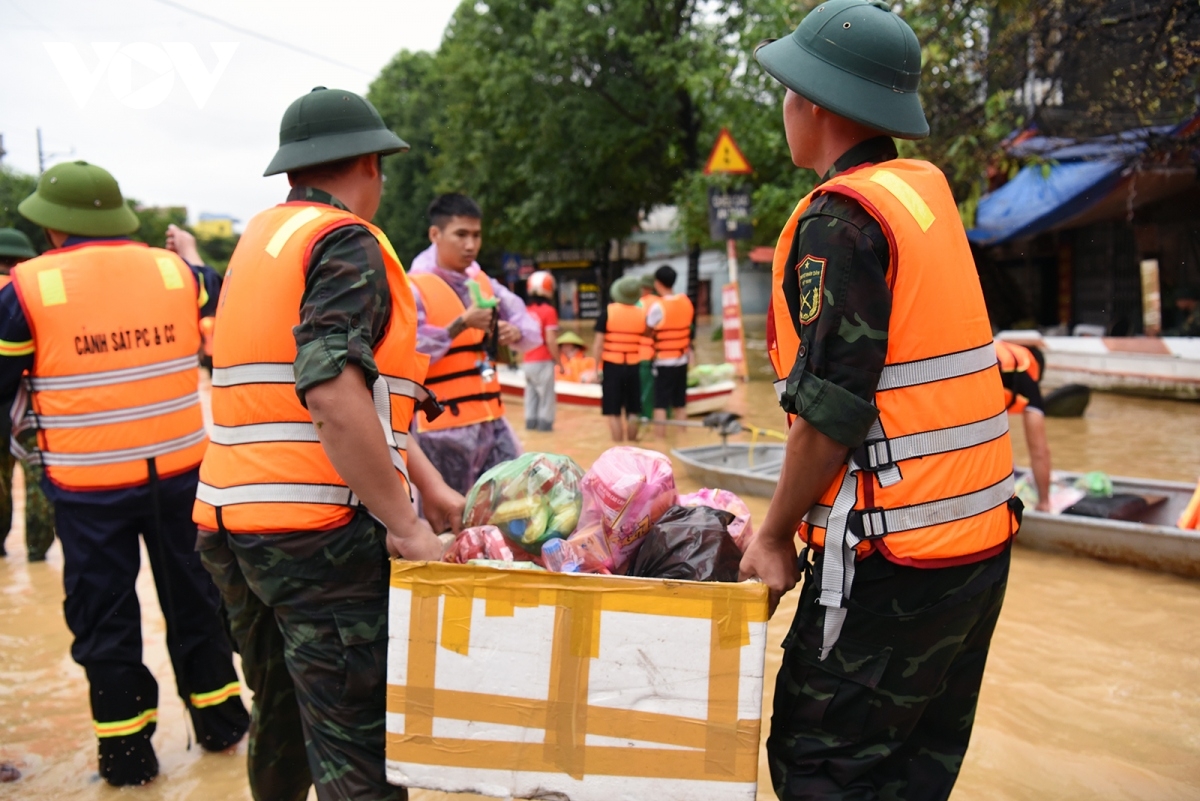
(888, 715)
(308, 609)
(39, 512)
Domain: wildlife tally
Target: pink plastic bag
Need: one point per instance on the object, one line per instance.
(740, 529)
(624, 494)
(483, 542)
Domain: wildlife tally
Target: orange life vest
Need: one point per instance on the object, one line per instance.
(673, 336)
(266, 471)
(646, 350)
(1016, 359)
(207, 324)
(574, 369)
(623, 334)
(5, 280)
(465, 382)
(932, 484)
(115, 375)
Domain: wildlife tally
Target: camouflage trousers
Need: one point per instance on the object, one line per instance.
(308, 611)
(889, 713)
(39, 512)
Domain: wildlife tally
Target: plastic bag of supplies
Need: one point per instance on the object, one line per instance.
(531, 499)
(624, 494)
(690, 543)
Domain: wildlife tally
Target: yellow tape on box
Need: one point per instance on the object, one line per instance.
(518, 683)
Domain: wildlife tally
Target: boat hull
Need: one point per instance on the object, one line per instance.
(701, 400)
(1166, 367)
(1153, 544)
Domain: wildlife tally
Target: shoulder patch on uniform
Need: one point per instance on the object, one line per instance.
(812, 287)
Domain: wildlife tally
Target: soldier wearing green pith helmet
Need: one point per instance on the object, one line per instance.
(306, 589)
(878, 317)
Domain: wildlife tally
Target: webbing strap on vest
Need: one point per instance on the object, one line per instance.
(937, 368)
(125, 415)
(109, 377)
(879, 455)
(331, 494)
(845, 527)
(100, 458)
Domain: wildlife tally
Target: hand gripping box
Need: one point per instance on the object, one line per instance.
(521, 684)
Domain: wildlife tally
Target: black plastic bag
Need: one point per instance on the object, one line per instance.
(690, 543)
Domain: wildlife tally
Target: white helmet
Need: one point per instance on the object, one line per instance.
(541, 284)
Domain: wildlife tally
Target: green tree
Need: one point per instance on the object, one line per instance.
(15, 187)
(408, 95)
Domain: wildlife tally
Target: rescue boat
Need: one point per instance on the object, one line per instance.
(1144, 533)
(701, 400)
(1160, 367)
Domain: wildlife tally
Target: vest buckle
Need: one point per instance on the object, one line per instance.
(868, 524)
(432, 407)
(874, 455)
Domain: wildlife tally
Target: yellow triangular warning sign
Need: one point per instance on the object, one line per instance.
(726, 157)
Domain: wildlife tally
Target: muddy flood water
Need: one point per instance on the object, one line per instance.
(1091, 690)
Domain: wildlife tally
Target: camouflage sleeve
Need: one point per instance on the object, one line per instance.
(841, 304)
(344, 309)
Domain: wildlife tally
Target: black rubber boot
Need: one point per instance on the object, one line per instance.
(128, 761)
(221, 726)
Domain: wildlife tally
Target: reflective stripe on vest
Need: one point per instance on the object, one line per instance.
(674, 334)
(266, 470)
(115, 375)
(464, 380)
(623, 334)
(931, 482)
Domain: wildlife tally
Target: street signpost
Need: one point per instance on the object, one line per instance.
(729, 219)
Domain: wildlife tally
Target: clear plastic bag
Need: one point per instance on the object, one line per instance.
(531, 499)
(741, 529)
(585, 551)
(690, 543)
(624, 494)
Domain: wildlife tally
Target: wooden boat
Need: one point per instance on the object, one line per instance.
(1150, 540)
(1162, 367)
(701, 400)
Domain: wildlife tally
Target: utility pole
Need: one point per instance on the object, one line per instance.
(43, 156)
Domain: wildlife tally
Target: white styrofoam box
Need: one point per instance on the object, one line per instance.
(522, 684)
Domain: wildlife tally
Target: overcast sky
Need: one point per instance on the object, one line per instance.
(136, 85)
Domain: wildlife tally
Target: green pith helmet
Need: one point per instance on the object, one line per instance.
(570, 338)
(15, 245)
(330, 125)
(647, 281)
(857, 59)
(79, 198)
(627, 290)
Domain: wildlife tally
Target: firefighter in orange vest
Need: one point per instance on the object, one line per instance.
(898, 467)
(618, 349)
(463, 316)
(1020, 373)
(316, 379)
(108, 331)
(671, 318)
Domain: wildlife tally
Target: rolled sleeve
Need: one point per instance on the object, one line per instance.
(344, 310)
(844, 347)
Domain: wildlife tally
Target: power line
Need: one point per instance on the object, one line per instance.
(263, 37)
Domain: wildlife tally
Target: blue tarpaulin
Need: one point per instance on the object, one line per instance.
(1030, 203)
(1078, 175)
